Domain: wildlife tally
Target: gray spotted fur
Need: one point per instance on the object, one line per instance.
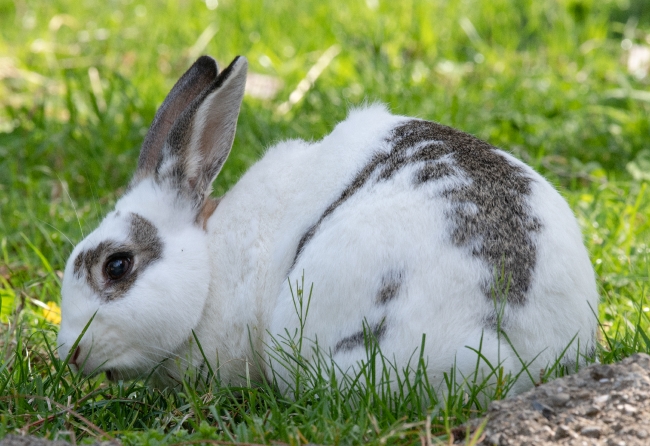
(388, 291)
(490, 216)
(358, 339)
(390, 287)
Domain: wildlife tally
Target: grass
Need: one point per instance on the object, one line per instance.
(80, 82)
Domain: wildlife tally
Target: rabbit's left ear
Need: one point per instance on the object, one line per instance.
(200, 140)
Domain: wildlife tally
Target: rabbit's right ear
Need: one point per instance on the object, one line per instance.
(200, 76)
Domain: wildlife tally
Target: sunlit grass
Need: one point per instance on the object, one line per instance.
(80, 82)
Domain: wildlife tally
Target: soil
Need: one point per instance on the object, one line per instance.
(29, 440)
(600, 405)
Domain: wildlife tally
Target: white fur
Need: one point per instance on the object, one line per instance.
(229, 283)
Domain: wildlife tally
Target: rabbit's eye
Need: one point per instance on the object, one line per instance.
(116, 267)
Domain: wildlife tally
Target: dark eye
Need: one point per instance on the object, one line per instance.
(117, 266)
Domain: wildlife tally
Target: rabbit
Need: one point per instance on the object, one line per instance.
(418, 236)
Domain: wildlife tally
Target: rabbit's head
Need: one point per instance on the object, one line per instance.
(138, 283)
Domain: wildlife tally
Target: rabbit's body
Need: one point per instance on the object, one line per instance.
(400, 228)
(385, 256)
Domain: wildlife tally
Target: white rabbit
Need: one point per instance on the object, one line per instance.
(400, 226)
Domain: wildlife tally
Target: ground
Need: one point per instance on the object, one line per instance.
(600, 405)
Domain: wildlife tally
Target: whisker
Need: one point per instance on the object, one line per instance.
(58, 230)
(169, 356)
(98, 214)
(72, 203)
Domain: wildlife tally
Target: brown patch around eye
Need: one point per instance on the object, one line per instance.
(146, 246)
(78, 264)
(143, 248)
(89, 261)
(146, 242)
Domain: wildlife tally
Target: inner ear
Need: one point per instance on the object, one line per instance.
(206, 211)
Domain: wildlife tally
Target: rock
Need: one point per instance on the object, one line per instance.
(592, 411)
(560, 399)
(543, 408)
(629, 409)
(562, 431)
(601, 399)
(590, 431)
(601, 373)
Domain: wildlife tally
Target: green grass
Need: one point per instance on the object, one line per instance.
(545, 80)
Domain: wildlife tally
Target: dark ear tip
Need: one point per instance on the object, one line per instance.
(205, 59)
(239, 60)
(239, 63)
(206, 63)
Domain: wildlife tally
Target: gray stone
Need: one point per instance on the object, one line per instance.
(560, 399)
(590, 431)
(562, 431)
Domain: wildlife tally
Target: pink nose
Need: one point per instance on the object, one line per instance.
(74, 358)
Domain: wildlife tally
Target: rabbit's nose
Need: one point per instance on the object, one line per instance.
(75, 357)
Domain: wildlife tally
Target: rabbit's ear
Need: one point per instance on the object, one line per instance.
(200, 140)
(200, 76)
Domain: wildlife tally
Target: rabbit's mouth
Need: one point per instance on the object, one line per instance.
(114, 375)
(117, 374)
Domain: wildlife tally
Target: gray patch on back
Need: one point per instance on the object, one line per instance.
(498, 225)
(143, 244)
(489, 211)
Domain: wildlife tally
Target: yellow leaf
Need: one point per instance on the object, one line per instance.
(52, 313)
